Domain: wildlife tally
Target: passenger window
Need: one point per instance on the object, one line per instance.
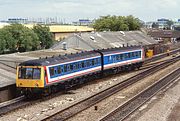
(65, 68)
(51, 71)
(59, 70)
(132, 54)
(136, 54)
(87, 63)
(129, 55)
(71, 67)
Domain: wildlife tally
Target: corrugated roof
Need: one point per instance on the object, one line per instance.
(164, 34)
(99, 40)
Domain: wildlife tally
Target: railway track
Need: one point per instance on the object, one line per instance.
(86, 103)
(21, 102)
(130, 106)
(12, 105)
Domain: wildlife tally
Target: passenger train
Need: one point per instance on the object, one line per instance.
(45, 75)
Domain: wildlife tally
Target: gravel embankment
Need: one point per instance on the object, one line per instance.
(119, 98)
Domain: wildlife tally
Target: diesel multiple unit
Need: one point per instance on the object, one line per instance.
(47, 74)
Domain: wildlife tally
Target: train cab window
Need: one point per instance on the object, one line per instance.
(59, 69)
(36, 73)
(139, 53)
(52, 71)
(29, 73)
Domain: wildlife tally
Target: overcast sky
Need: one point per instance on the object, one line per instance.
(72, 10)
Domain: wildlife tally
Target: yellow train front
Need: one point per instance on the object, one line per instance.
(30, 79)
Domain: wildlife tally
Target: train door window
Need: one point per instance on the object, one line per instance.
(52, 71)
(82, 64)
(55, 71)
(93, 62)
(87, 64)
(136, 53)
(118, 57)
(77, 65)
(71, 67)
(121, 56)
(99, 60)
(129, 55)
(59, 69)
(139, 53)
(133, 54)
(65, 68)
(114, 58)
(108, 57)
(124, 56)
(68, 67)
(90, 64)
(62, 69)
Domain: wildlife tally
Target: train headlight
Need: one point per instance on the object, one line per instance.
(36, 85)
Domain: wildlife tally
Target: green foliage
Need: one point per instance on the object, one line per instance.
(169, 23)
(117, 23)
(44, 35)
(17, 37)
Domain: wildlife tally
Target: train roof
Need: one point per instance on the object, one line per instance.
(59, 59)
(120, 49)
(71, 57)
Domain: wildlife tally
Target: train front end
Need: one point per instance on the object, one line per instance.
(30, 79)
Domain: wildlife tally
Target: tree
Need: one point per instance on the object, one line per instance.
(2, 41)
(169, 23)
(117, 23)
(44, 35)
(133, 23)
(18, 38)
